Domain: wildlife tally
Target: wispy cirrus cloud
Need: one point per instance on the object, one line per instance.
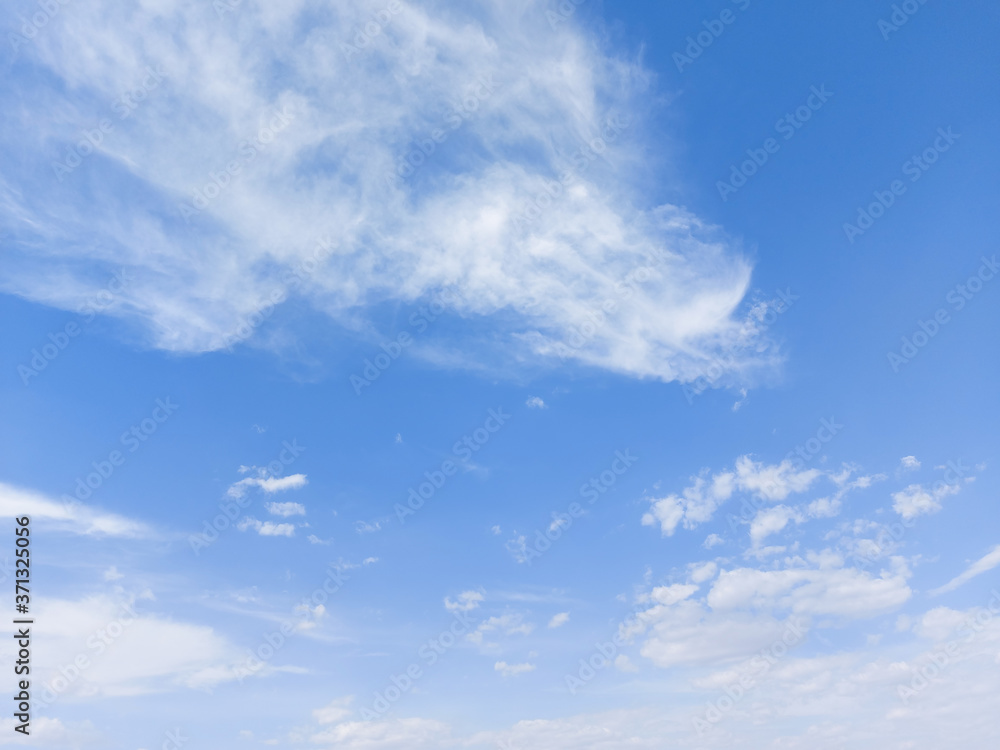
(984, 564)
(273, 162)
(68, 515)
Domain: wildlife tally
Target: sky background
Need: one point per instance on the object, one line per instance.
(738, 329)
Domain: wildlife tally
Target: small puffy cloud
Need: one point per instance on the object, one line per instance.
(624, 664)
(939, 623)
(510, 623)
(701, 572)
(495, 530)
(266, 528)
(773, 482)
(916, 501)
(558, 620)
(270, 485)
(465, 602)
(697, 502)
(112, 574)
(310, 617)
(313, 539)
(509, 670)
(558, 522)
(285, 509)
(771, 521)
(518, 548)
(668, 512)
(694, 505)
(909, 462)
(672, 594)
(334, 711)
(825, 507)
(742, 400)
(280, 484)
(984, 564)
(713, 540)
(535, 403)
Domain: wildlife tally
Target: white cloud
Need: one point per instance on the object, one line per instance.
(713, 540)
(517, 546)
(509, 670)
(701, 572)
(310, 616)
(771, 521)
(389, 734)
(510, 623)
(695, 505)
(124, 650)
(688, 633)
(824, 507)
(266, 528)
(748, 609)
(984, 564)
(909, 462)
(916, 501)
(823, 590)
(672, 594)
(270, 485)
(624, 664)
(775, 481)
(285, 509)
(68, 515)
(559, 619)
(939, 623)
(313, 539)
(458, 226)
(668, 512)
(52, 733)
(112, 574)
(334, 711)
(534, 402)
(698, 501)
(466, 602)
(799, 701)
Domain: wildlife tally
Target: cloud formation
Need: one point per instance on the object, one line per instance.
(474, 156)
(68, 514)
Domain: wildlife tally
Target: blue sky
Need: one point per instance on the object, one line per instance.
(522, 421)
